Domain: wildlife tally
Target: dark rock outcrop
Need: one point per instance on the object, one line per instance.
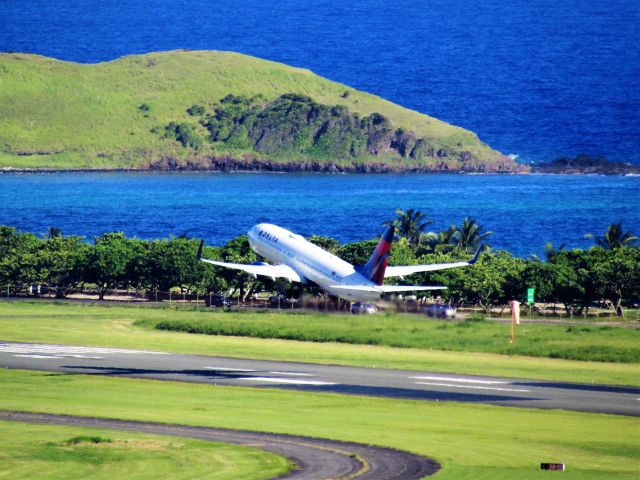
(300, 134)
(584, 164)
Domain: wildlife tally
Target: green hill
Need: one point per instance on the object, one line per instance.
(214, 110)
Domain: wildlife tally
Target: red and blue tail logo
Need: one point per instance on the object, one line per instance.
(377, 264)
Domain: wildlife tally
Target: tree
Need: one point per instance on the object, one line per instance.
(494, 280)
(172, 263)
(551, 252)
(616, 272)
(109, 260)
(61, 262)
(238, 250)
(17, 257)
(614, 237)
(441, 242)
(211, 280)
(469, 235)
(555, 282)
(135, 266)
(54, 232)
(575, 284)
(410, 225)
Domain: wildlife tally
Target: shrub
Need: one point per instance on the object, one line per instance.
(196, 110)
(183, 133)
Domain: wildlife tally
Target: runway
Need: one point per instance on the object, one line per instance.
(417, 385)
(315, 458)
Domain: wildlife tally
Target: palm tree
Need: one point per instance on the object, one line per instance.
(410, 225)
(614, 237)
(552, 252)
(441, 242)
(470, 235)
(53, 232)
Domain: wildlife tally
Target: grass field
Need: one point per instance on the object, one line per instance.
(576, 342)
(471, 441)
(67, 115)
(110, 326)
(55, 452)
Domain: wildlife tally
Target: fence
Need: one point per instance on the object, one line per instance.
(540, 313)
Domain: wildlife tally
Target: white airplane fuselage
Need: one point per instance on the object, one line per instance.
(311, 262)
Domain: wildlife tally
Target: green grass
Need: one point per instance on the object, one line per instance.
(59, 114)
(56, 452)
(587, 343)
(111, 326)
(471, 441)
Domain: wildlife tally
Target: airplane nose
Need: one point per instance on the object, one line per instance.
(253, 231)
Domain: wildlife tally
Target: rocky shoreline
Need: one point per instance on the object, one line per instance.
(252, 164)
(228, 164)
(586, 165)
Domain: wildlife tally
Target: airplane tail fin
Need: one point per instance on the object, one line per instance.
(199, 253)
(377, 264)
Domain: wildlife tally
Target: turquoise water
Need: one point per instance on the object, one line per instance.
(523, 211)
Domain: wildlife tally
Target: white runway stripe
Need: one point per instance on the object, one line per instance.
(35, 348)
(224, 369)
(87, 357)
(288, 381)
(292, 374)
(36, 356)
(461, 380)
(476, 387)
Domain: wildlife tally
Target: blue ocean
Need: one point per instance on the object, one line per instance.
(523, 211)
(538, 79)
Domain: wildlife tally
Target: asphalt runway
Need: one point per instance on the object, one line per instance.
(417, 385)
(316, 458)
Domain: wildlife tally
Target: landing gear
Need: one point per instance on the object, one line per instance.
(359, 308)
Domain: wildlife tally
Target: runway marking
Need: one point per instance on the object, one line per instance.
(87, 357)
(476, 387)
(463, 380)
(223, 369)
(289, 381)
(36, 356)
(35, 348)
(293, 374)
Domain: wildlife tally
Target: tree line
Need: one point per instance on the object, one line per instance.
(606, 274)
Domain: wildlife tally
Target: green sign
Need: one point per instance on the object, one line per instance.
(530, 293)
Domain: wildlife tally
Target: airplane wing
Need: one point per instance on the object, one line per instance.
(401, 271)
(264, 269)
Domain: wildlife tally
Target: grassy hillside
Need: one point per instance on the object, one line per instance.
(56, 114)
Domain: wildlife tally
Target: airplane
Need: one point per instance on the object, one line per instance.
(298, 260)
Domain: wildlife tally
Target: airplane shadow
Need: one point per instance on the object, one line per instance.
(581, 386)
(210, 376)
